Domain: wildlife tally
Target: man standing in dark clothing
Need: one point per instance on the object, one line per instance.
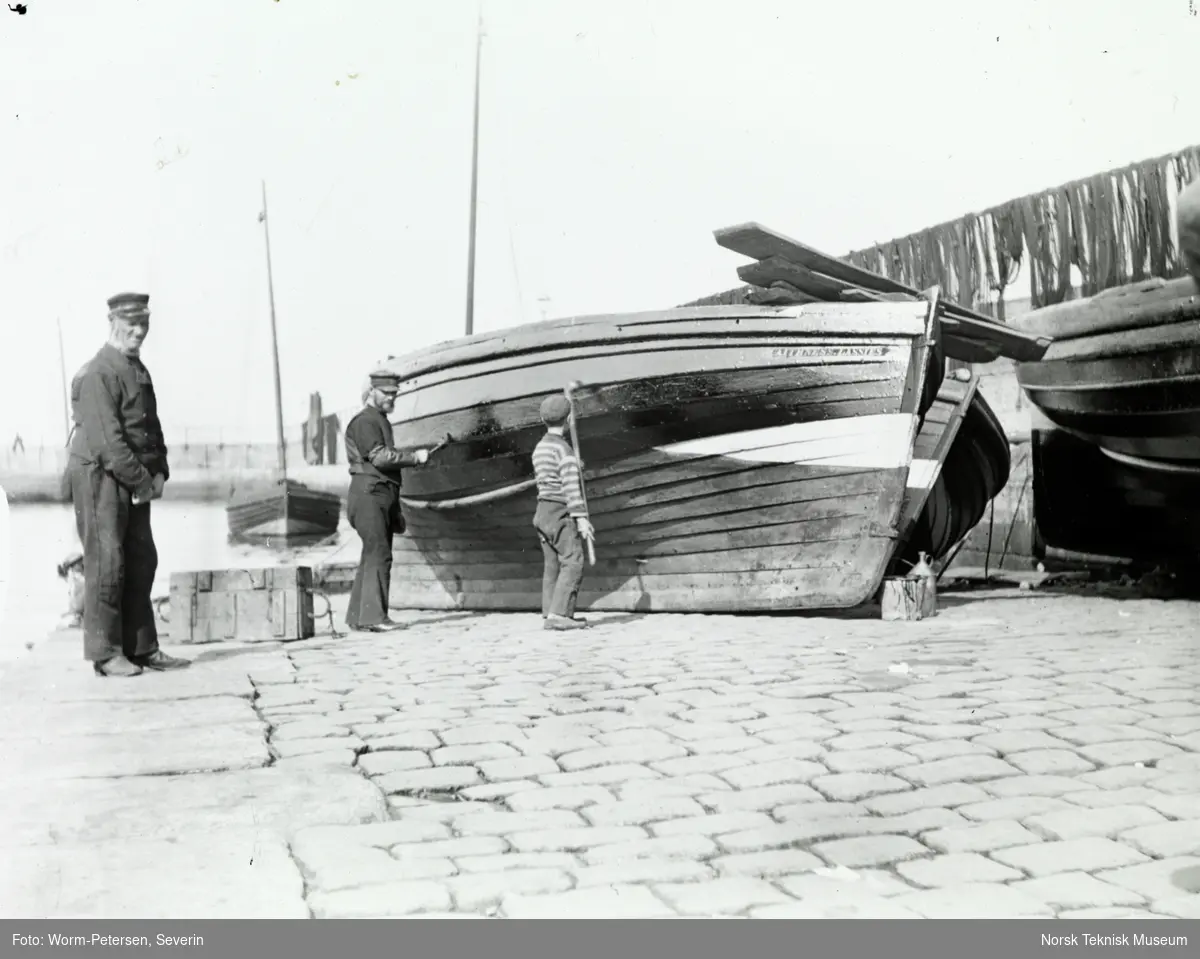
(373, 503)
(118, 464)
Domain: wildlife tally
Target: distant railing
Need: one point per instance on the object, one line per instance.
(202, 448)
(218, 457)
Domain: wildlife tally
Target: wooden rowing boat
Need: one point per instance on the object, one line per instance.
(282, 514)
(1123, 372)
(738, 458)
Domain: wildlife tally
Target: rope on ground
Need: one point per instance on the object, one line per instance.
(315, 592)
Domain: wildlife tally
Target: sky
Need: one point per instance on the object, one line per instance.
(614, 138)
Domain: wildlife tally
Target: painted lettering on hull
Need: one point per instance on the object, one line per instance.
(823, 352)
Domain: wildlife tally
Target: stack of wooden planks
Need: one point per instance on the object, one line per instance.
(788, 272)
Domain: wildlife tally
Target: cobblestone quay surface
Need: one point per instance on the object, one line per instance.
(1018, 755)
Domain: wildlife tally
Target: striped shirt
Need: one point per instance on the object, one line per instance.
(556, 469)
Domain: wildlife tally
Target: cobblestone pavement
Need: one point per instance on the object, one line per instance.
(1018, 755)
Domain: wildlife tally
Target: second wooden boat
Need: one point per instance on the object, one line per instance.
(282, 514)
(1124, 370)
(961, 461)
(738, 458)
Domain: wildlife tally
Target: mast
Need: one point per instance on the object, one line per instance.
(62, 366)
(474, 181)
(262, 218)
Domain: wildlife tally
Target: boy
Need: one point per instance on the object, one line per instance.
(561, 518)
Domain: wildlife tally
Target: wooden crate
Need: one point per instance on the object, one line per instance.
(907, 598)
(251, 605)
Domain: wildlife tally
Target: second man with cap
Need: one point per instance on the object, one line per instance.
(561, 518)
(373, 503)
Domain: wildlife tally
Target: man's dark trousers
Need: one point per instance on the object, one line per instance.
(119, 563)
(373, 508)
(562, 554)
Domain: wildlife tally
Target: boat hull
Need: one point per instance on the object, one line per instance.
(728, 470)
(1087, 501)
(1125, 375)
(283, 514)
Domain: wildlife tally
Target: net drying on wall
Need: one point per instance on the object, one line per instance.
(1115, 227)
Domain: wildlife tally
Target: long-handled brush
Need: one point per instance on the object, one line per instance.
(570, 394)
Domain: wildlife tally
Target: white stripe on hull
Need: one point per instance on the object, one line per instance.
(877, 441)
(922, 474)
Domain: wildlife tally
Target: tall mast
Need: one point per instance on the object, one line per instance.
(62, 366)
(262, 218)
(474, 181)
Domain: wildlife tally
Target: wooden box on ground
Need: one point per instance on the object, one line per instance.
(242, 604)
(907, 598)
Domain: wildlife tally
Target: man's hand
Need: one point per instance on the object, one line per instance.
(585, 527)
(422, 456)
(159, 483)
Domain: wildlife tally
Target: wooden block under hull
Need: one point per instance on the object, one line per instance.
(246, 605)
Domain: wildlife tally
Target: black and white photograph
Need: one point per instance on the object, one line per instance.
(830, 370)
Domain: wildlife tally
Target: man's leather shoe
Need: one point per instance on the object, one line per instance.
(116, 667)
(160, 661)
(562, 622)
(387, 626)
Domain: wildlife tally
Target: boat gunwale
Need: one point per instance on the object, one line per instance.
(590, 352)
(1121, 346)
(822, 319)
(1154, 301)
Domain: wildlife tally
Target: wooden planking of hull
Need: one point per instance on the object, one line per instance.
(1125, 372)
(732, 464)
(1089, 501)
(282, 514)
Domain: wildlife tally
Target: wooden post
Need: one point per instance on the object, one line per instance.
(314, 434)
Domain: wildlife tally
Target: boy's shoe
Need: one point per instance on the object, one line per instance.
(562, 622)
